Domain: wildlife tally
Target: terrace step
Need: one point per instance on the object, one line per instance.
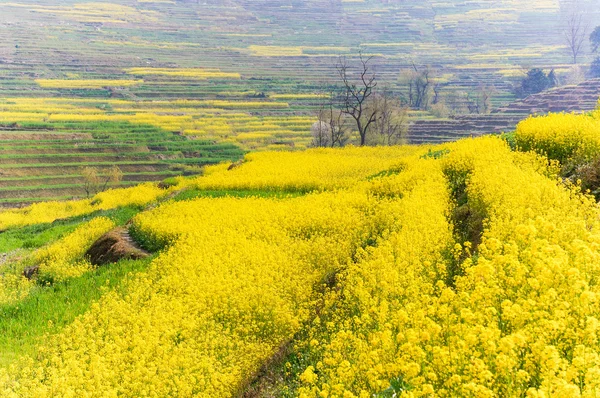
(579, 98)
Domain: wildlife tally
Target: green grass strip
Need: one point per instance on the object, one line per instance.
(49, 309)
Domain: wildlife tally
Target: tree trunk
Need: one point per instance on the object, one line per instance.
(361, 132)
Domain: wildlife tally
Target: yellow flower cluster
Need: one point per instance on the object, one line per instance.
(561, 136)
(298, 51)
(358, 343)
(138, 195)
(195, 73)
(460, 270)
(314, 169)
(234, 285)
(236, 281)
(45, 212)
(88, 83)
(519, 318)
(64, 258)
(13, 288)
(220, 120)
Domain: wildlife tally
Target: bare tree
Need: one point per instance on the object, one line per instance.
(479, 101)
(391, 122)
(91, 180)
(94, 182)
(355, 95)
(338, 129)
(485, 97)
(421, 88)
(421, 85)
(575, 35)
(331, 128)
(457, 102)
(595, 39)
(320, 133)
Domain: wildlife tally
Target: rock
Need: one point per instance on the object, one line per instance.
(30, 272)
(114, 246)
(235, 165)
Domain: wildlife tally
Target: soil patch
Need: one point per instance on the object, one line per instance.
(114, 246)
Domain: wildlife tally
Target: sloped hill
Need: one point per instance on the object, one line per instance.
(291, 39)
(580, 98)
(47, 161)
(329, 272)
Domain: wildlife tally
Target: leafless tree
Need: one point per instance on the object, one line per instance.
(479, 101)
(355, 95)
(94, 182)
(485, 97)
(320, 134)
(338, 129)
(421, 84)
(391, 122)
(575, 35)
(331, 129)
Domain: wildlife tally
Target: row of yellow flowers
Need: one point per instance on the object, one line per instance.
(236, 281)
(61, 260)
(370, 272)
(561, 136)
(219, 120)
(46, 212)
(235, 284)
(520, 319)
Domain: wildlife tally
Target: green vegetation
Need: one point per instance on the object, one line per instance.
(55, 168)
(38, 235)
(198, 193)
(126, 74)
(536, 81)
(47, 309)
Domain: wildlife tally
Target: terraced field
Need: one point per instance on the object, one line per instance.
(578, 98)
(268, 45)
(271, 46)
(47, 160)
(159, 87)
(456, 269)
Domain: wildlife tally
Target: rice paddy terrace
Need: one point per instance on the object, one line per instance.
(40, 162)
(290, 44)
(578, 98)
(161, 87)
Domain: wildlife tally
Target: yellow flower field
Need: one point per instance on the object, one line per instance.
(467, 269)
(50, 211)
(194, 73)
(561, 135)
(87, 83)
(220, 120)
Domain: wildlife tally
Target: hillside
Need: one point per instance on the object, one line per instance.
(582, 97)
(459, 269)
(292, 44)
(299, 199)
(160, 88)
(47, 143)
(47, 161)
